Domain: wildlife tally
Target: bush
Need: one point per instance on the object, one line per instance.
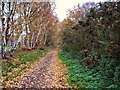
(103, 75)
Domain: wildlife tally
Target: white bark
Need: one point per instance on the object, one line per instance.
(32, 39)
(37, 37)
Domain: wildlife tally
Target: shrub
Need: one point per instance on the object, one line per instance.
(104, 74)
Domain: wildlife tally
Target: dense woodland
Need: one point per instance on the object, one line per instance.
(89, 39)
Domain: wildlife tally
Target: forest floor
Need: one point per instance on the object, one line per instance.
(49, 72)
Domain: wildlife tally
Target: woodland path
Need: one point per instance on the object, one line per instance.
(48, 73)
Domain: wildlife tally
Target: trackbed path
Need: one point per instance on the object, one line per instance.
(48, 73)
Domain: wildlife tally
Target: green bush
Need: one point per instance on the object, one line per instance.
(103, 75)
(70, 47)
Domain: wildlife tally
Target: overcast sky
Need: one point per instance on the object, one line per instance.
(63, 5)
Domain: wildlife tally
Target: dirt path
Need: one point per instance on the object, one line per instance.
(48, 73)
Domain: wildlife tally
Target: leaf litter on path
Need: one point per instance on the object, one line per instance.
(49, 72)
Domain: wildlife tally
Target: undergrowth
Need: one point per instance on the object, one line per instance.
(103, 76)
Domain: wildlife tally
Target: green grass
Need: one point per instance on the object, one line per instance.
(85, 78)
(26, 58)
(6, 48)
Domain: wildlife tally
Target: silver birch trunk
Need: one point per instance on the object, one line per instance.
(32, 40)
(37, 38)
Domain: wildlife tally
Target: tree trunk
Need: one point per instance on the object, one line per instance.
(37, 38)
(45, 39)
(3, 42)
